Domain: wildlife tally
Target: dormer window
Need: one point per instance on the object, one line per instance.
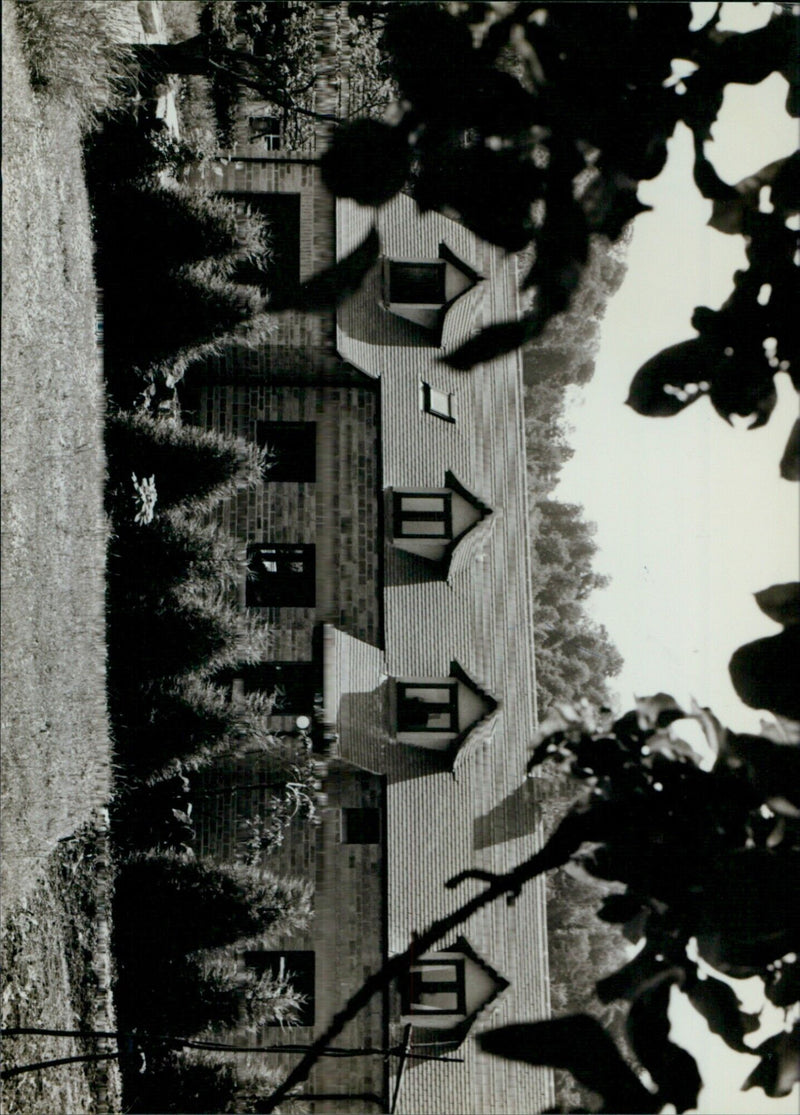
(423, 515)
(437, 402)
(435, 986)
(420, 284)
(422, 290)
(427, 707)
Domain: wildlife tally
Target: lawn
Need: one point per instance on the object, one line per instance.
(56, 748)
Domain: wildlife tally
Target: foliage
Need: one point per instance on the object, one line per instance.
(582, 119)
(75, 53)
(574, 655)
(193, 468)
(196, 1082)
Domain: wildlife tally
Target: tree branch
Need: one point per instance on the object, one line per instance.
(566, 840)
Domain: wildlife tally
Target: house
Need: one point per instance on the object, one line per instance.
(388, 550)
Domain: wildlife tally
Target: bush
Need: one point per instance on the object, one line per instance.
(193, 468)
(76, 52)
(197, 1082)
(167, 905)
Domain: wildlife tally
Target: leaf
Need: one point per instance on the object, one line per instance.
(718, 1004)
(713, 730)
(633, 978)
(494, 341)
(764, 673)
(728, 212)
(367, 161)
(580, 1045)
(673, 1070)
(619, 907)
(671, 381)
(771, 769)
(783, 988)
(779, 1070)
(658, 711)
(781, 602)
(335, 284)
(790, 461)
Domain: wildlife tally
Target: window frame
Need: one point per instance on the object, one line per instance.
(400, 516)
(429, 406)
(452, 705)
(411, 1002)
(438, 277)
(271, 138)
(298, 471)
(375, 818)
(285, 554)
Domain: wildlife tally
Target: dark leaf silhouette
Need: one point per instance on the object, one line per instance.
(764, 673)
(580, 1045)
(772, 770)
(334, 285)
(432, 57)
(648, 967)
(718, 1004)
(674, 379)
(619, 907)
(781, 602)
(494, 341)
(783, 987)
(779, 1069)
(673, 1070)
(367, 161)
(790, 461)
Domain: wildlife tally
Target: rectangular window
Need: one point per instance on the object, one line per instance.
(423, 516)
(266, 130)
(280, 576)
(361, 826)
(437, 402)
(427, 706)
(417, 284)
(297, 967)
(290, 450)
(435, 987)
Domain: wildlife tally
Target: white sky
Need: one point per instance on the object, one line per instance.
(692, 515)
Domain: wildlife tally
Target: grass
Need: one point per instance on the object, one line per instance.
(75, 52)
(56, 753)
(57, 974)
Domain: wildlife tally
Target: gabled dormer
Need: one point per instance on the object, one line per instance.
(445, 991)
(450, 715)
(433, 522)
(423, 290)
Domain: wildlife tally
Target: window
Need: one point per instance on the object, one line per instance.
(267, 129)
(437, 402)
(280, 576)
(420, 284)
(291, 450)
(427, 706)
(296, 967)
(419, 515)
(435, 987)
(361, 826)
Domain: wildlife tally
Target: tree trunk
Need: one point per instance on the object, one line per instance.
(188, 57)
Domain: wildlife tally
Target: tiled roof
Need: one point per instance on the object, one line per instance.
(437, 824)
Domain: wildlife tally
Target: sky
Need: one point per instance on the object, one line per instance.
(692, 516)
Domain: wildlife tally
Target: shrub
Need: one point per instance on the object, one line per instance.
(196, 1082)
(167, 905)
(192, 467)
(76, 52)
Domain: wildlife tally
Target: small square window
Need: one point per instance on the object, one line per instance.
(435, 987)
(361, 826)
(297, 968)
(280, 576)
(422, 515)
(417, 284)
(290, 451)
(266, 130)
(437, 402)
(427, 707)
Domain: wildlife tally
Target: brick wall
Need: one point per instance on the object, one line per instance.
(347, 934)
(339, 513)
